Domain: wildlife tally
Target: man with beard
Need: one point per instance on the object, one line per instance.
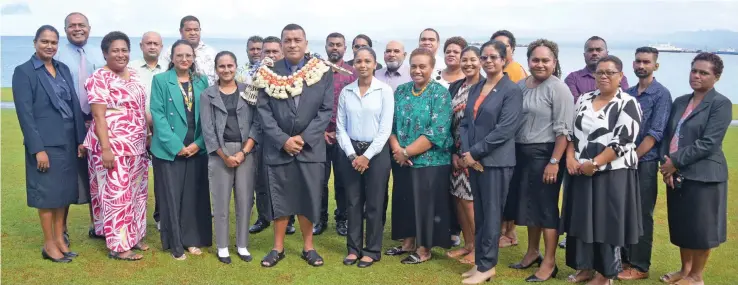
(271, 48)
(146, 68)
(254, 46)
(294, 121)
(361, 41)
(335, 47)
(655, 101)
(395, 73)
(82, 59)
(189, 29)
(583, 80)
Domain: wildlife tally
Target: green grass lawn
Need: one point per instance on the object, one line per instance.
(22, 240)
(6, 94)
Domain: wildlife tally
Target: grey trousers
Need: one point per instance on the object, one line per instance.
(241, 180)
(490, 189)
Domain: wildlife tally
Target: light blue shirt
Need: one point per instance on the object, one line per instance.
(68, 54)
(365, 118)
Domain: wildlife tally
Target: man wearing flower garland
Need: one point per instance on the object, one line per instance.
(295, 105)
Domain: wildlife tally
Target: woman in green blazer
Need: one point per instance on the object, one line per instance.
(180, 160)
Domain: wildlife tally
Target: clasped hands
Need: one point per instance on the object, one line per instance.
(575, 168)
(667, 170)
(294, 145)
(467, 161)
(189, 150)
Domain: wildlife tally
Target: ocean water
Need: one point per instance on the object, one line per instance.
(673, 72)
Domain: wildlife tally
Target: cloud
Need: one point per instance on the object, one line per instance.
(15, 9)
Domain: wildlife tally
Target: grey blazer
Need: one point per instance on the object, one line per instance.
(281, 119)
(490, 137)
(213, 116)
(700, 155)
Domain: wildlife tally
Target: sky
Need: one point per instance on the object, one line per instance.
(381, 19)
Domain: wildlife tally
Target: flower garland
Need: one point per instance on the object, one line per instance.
(278, 86)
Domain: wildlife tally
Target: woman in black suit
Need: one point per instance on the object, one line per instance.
(53, 131)
(695, 170)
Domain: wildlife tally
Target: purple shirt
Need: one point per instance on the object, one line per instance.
(583, 81)
(339, 81)
(394, 78)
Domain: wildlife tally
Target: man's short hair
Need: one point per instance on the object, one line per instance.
(293, 27)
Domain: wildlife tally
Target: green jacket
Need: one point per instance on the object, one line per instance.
(168, 114)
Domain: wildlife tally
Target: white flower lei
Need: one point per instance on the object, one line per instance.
(279, 86)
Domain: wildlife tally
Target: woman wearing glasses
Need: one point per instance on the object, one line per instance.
(601, 209)
(361, 41)
(180, 159)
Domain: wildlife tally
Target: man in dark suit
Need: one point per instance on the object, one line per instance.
(294, 145)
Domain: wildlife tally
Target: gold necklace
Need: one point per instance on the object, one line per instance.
(419, 92)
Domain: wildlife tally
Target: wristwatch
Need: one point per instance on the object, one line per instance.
(245, 153)
(352, 157)
(553, 161)
(404, 152)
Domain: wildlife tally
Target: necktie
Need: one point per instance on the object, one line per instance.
(296, 98)
(81, 77)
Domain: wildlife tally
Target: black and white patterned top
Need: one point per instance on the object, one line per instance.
(616, 126)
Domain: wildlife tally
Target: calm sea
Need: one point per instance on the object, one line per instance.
(673, 73)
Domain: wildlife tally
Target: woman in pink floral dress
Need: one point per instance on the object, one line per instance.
(118, 161)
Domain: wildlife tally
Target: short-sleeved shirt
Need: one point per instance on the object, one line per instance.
(429, 115)
(548, 112)
(204, 61)
(594, 130)
(125, 114)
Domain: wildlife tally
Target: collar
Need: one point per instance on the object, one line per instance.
(652, 89)
(584, 72)
(342, 64)
(76, 47)
(354, 86)
(144, 64)
(37, 63)
(399, 71)
(289, 66)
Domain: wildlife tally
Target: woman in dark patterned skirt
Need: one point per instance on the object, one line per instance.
(695, 170)
(601, 210)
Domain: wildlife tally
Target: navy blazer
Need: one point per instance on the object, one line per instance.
(490, 137)
(41, 123)
(280, 119)
(700, 156)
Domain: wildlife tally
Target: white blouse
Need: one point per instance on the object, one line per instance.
(616, 126)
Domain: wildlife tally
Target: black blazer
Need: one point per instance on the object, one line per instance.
(700, 156)
(490, 137)
(280, 119)
(41, 123)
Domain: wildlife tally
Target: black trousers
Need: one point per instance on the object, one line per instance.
(331, 153)
(603, 258)
(365, 195)
(639, 255)
(490, 191)
(261, 193)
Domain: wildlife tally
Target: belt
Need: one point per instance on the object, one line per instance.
(360, 147)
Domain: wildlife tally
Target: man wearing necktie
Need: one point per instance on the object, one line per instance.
(294, 147)
(82, 60)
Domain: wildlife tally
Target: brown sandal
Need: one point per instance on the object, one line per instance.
(467, 260)
(456, 253)
(672, 277)
(506, 241)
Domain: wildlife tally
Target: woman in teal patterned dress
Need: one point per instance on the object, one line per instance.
(421, 142)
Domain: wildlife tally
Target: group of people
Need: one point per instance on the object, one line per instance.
(475, 148)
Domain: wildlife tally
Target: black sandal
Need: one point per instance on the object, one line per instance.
(119, 256)
(312, 257)
(413, 259)
(93, 235)
(272, 258)
(396, 251)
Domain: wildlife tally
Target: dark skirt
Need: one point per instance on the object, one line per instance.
(53, 189)
(697, 214)
(184, 202)
(403, 206)
(604, 208)
(538, 202)
(295, 188)
(429, 187)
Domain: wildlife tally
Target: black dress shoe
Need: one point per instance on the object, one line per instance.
(259, 226)
(319, 228)
(246, 258)
(290, 230)
(365, 264)
(45, 255)
(562, 244)
(520, 265)
(226, 260)
(533, 277)
(70, 254)
(342, 228)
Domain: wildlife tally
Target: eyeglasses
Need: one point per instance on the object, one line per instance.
(490, 57)
(184, 56)
(608, 73)
(360, 46)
